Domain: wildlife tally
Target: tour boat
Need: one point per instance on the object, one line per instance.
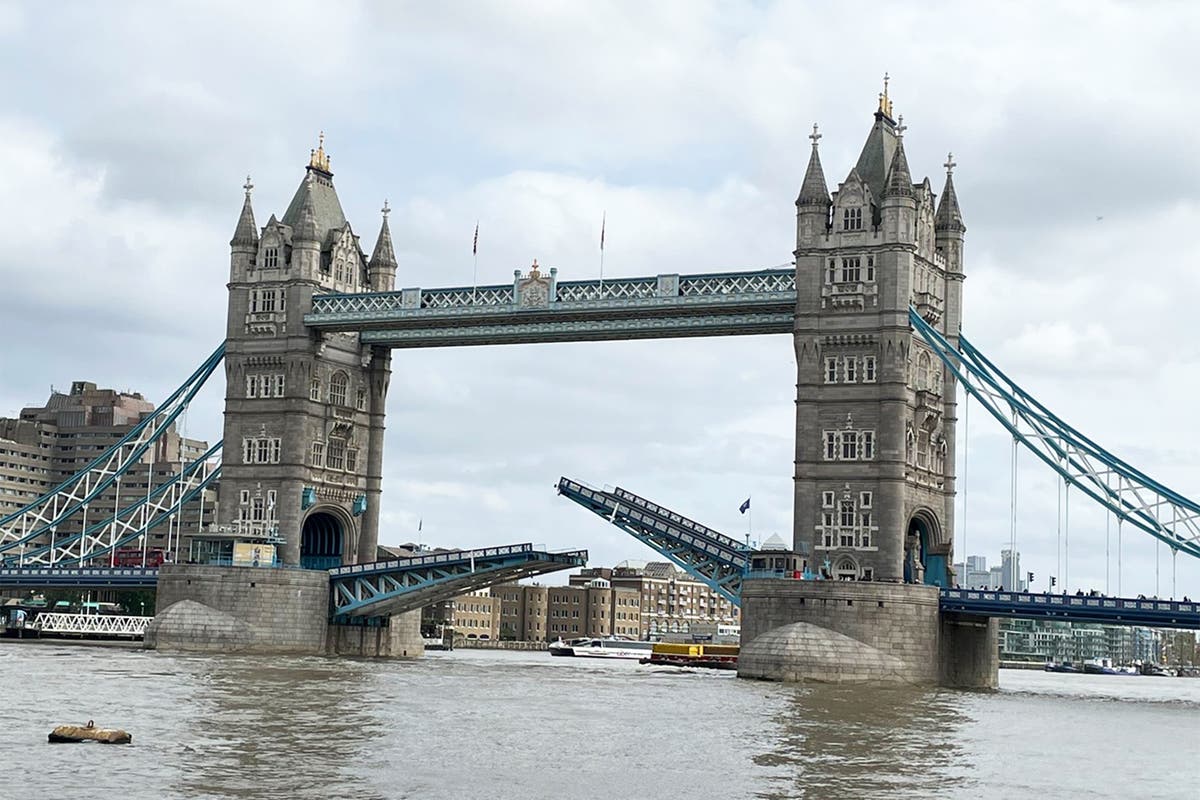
(1104, 666)
(596, 647)
(561, 648)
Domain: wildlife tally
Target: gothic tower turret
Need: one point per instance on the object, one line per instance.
(244, 244)
(303, 410)
(812, 204)
(382, 266)
(874, 409)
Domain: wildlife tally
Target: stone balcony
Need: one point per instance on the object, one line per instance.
(929, 306)
(852, 296)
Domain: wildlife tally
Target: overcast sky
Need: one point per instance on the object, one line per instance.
(128, 129)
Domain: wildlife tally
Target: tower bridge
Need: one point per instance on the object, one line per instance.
(872, 297)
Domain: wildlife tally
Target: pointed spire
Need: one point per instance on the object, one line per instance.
(246, 232)
(306, 227)
(814, 192)
(948, 216)
(899, 179)
(383, 255)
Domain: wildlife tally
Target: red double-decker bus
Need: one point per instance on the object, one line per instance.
(132, 557)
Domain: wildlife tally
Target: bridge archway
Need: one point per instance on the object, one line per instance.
(323, 538)
(921, 564)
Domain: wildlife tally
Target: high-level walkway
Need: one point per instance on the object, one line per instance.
(540, 308)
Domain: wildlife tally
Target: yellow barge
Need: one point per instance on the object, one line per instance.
(710, 656)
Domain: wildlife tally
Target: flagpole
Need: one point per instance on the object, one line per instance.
(749, 524)
(475, 268)
(603, 220)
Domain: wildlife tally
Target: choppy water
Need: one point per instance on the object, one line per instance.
(499, 725)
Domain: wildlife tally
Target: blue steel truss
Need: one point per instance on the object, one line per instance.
(1073, 608)
(1130, 494)
(542, 309)
(127, 524)
(406, 584)
(116, 577)
(718, 560)
(73, 496)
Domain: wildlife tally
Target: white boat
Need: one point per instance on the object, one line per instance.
(607, 647)
(561, 648)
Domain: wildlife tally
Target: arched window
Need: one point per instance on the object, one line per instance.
(923, 371)
(337, 388)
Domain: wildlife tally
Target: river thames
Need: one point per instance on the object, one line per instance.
(501, 725)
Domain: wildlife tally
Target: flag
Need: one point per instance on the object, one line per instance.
(745, 506)
(603, 219)
(475, 241)
(420, 522)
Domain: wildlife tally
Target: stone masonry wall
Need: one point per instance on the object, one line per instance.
(279, 610)
(847, 631)
(400, 638)
(970, 651)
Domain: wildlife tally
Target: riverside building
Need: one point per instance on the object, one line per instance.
(641, 600)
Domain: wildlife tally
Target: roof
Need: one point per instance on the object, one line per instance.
(773, 542)
(327, 209)
(948, 216)
(875, 160)
(813, 191)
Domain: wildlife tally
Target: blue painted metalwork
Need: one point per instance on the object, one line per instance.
(406, 584)
(123, 577)
(66, 552)
(1130, 494)
(662, 306)
(1073, 608)
(718, 560)
(43, 515)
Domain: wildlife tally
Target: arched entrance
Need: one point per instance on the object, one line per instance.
(846, 569)
(920, 565)
(321, 541)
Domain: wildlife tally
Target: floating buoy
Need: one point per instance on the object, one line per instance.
(89, 733)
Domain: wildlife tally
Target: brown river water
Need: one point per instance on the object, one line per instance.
(500, 725)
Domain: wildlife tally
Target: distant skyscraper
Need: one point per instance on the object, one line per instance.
(1010, 572)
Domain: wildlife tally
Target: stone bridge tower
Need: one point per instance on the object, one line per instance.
(875, 409)
(304, 411)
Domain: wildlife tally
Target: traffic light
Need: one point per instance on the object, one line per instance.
(1030, 578)
(1053, 580)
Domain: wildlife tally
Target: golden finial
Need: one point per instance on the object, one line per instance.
(885, 103)
(318, 159)
(534, 272)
